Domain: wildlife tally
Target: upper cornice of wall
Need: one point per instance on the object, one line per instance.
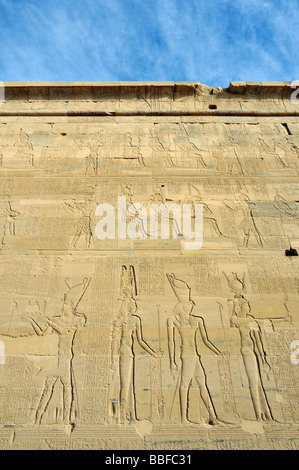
(148, 98)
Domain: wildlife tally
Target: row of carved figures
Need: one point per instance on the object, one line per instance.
(128, 150)
(186, 324)
(243, 210)
(127, 329)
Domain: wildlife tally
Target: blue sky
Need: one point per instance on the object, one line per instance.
(209, 41)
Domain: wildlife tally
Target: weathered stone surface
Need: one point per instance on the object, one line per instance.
(141, 343)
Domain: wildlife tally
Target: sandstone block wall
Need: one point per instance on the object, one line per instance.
(140, 343)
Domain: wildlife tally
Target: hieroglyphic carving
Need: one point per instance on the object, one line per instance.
(160, 149)
(15, 276)
(191, 366)
(82, 232)
(9, 228)
(54, 170)
(209, 218)
(288, 210)
(94, 149)
(96, 345)
(245, 221)
(65, 325)
(281, 150)
(187, 154)
(127, 328)
(207, 280)
(281, 277)
(252, 347)
(24, 148)
(156, 383)
(151, 276)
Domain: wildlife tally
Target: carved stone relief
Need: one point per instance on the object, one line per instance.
(138, 343)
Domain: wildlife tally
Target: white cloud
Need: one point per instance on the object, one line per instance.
(211, 42)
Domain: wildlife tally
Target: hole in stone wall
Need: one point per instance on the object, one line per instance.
(284, 124)
(212, 106)
(291, 252)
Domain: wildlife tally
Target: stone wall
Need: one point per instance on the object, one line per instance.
(140, 343)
